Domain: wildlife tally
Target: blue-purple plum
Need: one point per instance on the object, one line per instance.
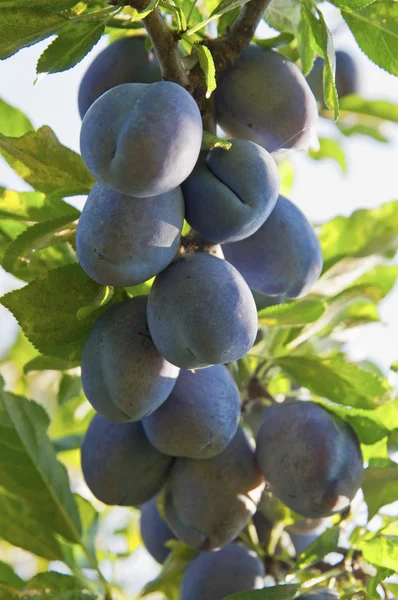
(320, 593)
(124, 61)
(123, 241)
(201, 312)
(283, 258)
(155, 532)
(142, 139)
(120, 465)
(208, 502)
(230, 193)
(304, 533)
(199, 418)
(311, 459)
(265, 98)
(216, 575)
(123, 375)
(346, 76)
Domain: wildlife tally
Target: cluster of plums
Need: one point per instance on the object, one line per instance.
(153, 366)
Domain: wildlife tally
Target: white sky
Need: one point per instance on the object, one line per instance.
(319, 187)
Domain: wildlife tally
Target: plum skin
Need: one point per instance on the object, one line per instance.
(218, 574)
(265, 98)
(201, 312)
(311, 459)
(123, 375)
(120, 465)
(124, 61)
(123, 241)
(230, 193)
(155, 531)
(199, 418)
(142, 139)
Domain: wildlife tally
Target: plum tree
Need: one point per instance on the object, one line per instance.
(123, 375)
(230, 193)
(311, 459)
(346, 78)
(201, 312)
(215, 575)
(208, 502)
(124, 61)
(283, 258)
(142, 139)
(320, 593)
(155, 531)
(122, 241)
(199, 418)
(120, 465)
(265, 98)
(304, 533)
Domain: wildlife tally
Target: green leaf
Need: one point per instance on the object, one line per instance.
(283, 15)
(13, 122)
(47, 310)
(381, 551)
(210, 141)
(225, 6)
(48, 166)
(104, 296)
(51, 582)
(323, 545)
(351, 5)
(380, 485)
(33, 206)
(380, 576)
(364, 233)
(169, 579)
(277, 592)
(67, 443)
(361, 129)
(48, 363)
(305, 42)
(329, 149)
(336, 379)
(379, 109)
(70, 386)
(207, 65)
(71, 46)
(296, 313)
(52, 5)
(23, 257)
(375, 29)
(7, 576)
(20, 526)
(279, 40)
(22, 27)
(9, 230)
(29, 468)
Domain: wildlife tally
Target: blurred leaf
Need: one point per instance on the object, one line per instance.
(335, 379)
(227, 5)
(381, 551)
(283, 15)
(278, 592)
(377, 283)
(9, 230)
(25, 258)
(329, 149)
(33, 206)
(362, 129)
(7, 576)
(71, 46)
(380, 109)
(46, 310)
(29, 468)
(375, 29)
(273, 42)
(169, 579)
(351, 5)
(296, 313)
(211, 141)
(207, 65)
(48, 363)
(70, 420)
(70, 386)
(52, 5)
(43, 162)
(52, 582)
(13, 122)
(22, 27)
(286, 172)
(67, 443)
(226, 20)
(327, 542)
(380, 576)
(364, 233)
(380, 486)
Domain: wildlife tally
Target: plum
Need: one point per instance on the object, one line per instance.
(123, 241)
(199, 418)
(155, 531)
(216, 575)
(311, 458)
(208, 502)
(230, 193)
(283, 257)
(201, 312)
(346, 77)
(142, 139)
(120, 465)
(265, 98)
(124, 61)
(123, 375)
